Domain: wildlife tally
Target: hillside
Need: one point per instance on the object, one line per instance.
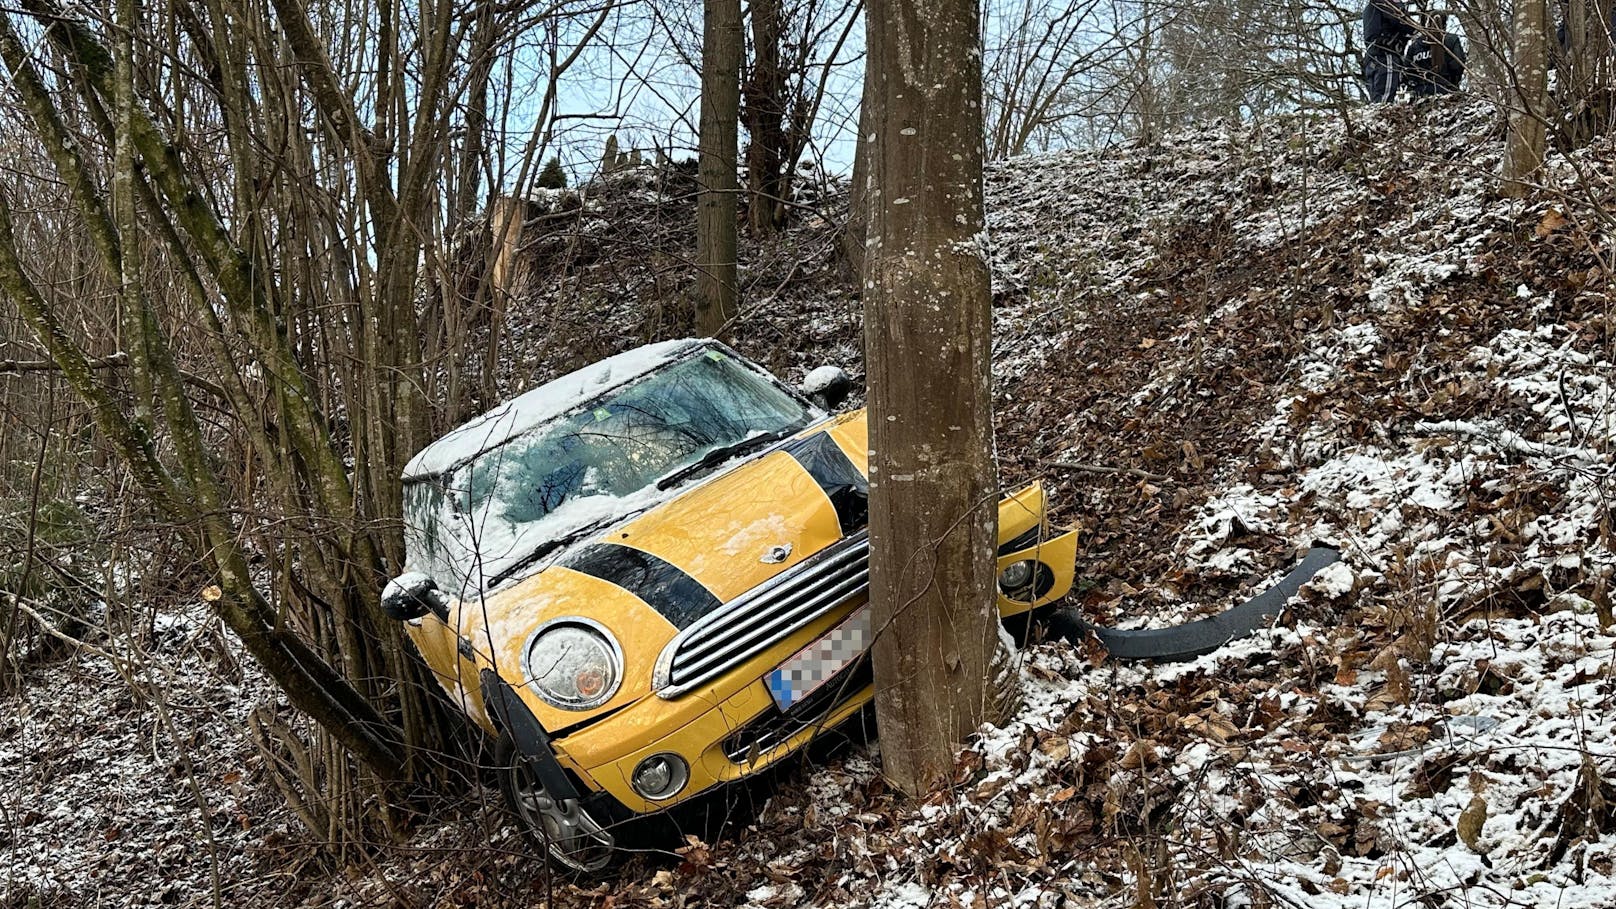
(1216, 351)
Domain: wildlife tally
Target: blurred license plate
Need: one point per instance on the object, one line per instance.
(818, 663)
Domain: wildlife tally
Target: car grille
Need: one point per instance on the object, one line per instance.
(1026, 540)
(738, 630)
(768, 731)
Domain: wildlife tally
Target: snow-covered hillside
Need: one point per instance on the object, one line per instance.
(1251, 340)
(1216, 351)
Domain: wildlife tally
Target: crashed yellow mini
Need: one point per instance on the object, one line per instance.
(648, 579)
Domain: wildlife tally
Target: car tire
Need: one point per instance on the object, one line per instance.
(561, 829)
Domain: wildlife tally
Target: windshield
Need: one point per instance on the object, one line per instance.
(598, 463)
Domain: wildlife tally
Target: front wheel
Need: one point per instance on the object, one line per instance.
(560, 827)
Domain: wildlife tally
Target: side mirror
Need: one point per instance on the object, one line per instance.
(826, 386)
(412, 595)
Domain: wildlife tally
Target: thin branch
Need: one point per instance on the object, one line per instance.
(1103, 469)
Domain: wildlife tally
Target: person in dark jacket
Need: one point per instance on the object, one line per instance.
(1386, 30)
(1434, 62)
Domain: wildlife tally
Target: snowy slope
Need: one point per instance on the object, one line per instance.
(1432, 723)
(1216, 351)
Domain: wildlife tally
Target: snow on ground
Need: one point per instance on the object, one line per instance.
(1435, 723)
(1269, 335)
(1464, 761)
(99, 774)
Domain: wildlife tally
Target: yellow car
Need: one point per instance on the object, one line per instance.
(648, 579)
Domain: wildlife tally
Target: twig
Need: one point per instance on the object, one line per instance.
(107, 362)
(111, 361)
(1103, 469)
(50, 628)
(1508, 440)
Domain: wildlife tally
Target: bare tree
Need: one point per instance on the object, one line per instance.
(717, 277)
(856, 233)
(1038, 54)
(1487, 32)
(262, 196)
(1529, 109)
(1587, 77)
(933, 487)
(795, 46)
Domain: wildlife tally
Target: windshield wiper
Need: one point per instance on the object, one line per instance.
(719, 455)
(542, 550)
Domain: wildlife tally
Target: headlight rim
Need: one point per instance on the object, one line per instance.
(1036, 587)
(1009, 585)
(614, 653)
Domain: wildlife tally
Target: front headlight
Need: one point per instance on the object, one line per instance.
(574, 664)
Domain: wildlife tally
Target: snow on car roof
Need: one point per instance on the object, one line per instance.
(548, 401)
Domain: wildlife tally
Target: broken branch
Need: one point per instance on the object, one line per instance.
(1103, 469)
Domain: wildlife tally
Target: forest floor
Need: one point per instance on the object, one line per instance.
(1215, 351)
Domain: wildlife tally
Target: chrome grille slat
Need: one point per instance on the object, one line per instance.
(853, 551)
(788, 601)
(784, 625)
(692, 658)
(767, 613)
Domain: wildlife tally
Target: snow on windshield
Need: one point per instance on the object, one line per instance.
(598, 463)
(541, 405)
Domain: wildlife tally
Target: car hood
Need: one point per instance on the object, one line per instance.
(650, 576)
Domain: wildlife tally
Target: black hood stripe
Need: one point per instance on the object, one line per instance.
(847, 489)
(677, 596)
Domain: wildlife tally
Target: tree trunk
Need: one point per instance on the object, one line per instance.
(468, 169)
(928, 336)
(1585, 84)
(1487, 41)
(856, 235)
(1529, 102)
(716, 279)
(767, 171)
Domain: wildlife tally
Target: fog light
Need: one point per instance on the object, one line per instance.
(661, 776)
(1016, 576)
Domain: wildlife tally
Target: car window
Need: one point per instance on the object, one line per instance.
(597, 463)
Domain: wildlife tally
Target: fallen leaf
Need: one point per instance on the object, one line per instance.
(1471, 821)
(1551, 221)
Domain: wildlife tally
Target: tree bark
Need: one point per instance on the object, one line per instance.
(1585, 81)
(1529, 101)
(856, 235)
(767, 171)
(717, 296)
(928, 336)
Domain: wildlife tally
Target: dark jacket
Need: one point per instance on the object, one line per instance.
(1429, 69)
(1386, 23)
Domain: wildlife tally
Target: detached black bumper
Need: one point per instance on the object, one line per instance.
(1192, 639)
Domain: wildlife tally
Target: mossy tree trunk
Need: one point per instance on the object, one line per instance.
(290, 240)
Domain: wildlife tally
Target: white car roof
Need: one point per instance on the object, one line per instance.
(540, 405)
